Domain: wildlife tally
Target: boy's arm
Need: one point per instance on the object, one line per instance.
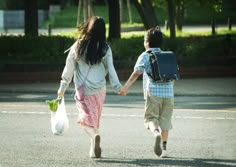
(133, 77)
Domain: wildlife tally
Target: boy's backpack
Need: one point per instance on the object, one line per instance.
(164, 66)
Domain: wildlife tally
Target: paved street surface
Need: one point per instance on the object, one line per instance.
(204, 126)
(204, 133)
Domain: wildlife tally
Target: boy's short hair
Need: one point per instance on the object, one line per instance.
(155, 37)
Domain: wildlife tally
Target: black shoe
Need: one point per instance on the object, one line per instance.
(97, 148)
(157, 146)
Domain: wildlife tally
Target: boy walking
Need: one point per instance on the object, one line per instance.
(159, 96)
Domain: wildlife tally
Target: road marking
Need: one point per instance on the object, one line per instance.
(119, 115)
(204, 110)
(23, 112)
(208, 118)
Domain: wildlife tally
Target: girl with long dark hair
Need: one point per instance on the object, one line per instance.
(88, 62)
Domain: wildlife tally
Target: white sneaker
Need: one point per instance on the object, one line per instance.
(91, 151)
(163, 154)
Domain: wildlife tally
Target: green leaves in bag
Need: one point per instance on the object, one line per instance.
(53, 104)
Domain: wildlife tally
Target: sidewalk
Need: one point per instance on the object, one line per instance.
(183, 87)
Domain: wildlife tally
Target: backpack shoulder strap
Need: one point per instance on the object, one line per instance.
(154, 74)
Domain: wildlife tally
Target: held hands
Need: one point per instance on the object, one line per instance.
(123, 91)
(133, 77)
(60, 93)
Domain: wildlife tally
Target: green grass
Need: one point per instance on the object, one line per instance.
(126, 35)
(137, 34)
(206, 33)
(131, 34)
(68, 17)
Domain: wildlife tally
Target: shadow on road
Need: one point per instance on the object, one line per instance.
(170, 161)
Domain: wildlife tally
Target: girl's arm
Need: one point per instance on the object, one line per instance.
(68, 72)
(133, 77)
(114, 80)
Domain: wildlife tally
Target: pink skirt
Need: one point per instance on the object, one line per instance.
(90, 109)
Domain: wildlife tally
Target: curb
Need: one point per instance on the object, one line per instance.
(51, 76)
(70, 92)
(184, 87)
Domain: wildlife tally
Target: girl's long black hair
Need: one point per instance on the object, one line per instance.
(92, 40)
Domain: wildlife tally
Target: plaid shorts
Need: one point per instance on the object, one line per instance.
(159, 111)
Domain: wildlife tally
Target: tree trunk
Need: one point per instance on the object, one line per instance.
(85, 7)
(171, 12)
(79, 12)
(121, 11)
(141, 13)
(180, 9)
(31, 18)
(129, 12)
(90, 8)
(147, 13)
(114, 19)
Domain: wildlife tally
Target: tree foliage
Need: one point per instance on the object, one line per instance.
(146, 12)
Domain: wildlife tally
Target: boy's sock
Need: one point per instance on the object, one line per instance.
(164, 144)
(164, 153)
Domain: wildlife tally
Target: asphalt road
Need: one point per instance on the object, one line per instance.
(204, 134)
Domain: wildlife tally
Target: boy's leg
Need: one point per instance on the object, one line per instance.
(154, 128)
(164, 135)
(165, 122)
(151, 120)
(156, 131)
(151, 116)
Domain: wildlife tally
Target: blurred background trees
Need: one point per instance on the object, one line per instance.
(179, 12)
(126, 21)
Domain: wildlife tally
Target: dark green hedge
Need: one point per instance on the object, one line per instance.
(42, 49)
(191, 51)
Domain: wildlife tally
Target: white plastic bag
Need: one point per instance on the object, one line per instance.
(59, 119)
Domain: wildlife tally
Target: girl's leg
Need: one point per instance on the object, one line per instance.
(95, 139)
(91, 133)
(97, 147)
(96, 130)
